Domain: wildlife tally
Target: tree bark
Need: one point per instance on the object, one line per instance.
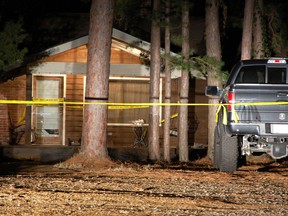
(258, 31)
(213, 49)
(154, 119)
(167, 109)
(247, 30)
(28, 123)
(184, 88)
(94, 135)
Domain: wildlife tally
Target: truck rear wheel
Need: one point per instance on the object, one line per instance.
(228, 151)
(216, 161)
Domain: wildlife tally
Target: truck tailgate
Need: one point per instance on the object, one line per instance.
(254, 93)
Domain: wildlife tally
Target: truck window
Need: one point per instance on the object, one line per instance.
(277, 75)
(251, 74)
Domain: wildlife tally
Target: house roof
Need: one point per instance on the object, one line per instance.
(121, 40)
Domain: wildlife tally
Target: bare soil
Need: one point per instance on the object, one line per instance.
(81, 187)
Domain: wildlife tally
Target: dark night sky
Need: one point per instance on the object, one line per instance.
(38, 7)
(52, 22)
(49, 22)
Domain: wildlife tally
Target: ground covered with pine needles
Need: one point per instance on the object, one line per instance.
(91, 187)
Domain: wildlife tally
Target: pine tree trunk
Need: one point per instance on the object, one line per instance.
(28, 123)
(154, 119)
(247, 30)
(184, 88)
(167, 109)
(94, 135)
(213, 49)
(257, 30)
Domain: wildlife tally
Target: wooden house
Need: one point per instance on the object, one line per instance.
(60, 76)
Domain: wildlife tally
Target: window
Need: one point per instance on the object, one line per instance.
(251, 74)
(277, 75)
(48, 119)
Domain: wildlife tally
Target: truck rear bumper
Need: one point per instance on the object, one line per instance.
(261, 129)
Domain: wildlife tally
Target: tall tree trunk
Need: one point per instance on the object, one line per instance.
(213, 49)
(258, 31)
(167, 110)
(154, 119)
(184, 88)
(247, 30)
(28, 123)
(94, 135)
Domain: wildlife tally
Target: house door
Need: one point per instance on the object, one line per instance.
(48, 119)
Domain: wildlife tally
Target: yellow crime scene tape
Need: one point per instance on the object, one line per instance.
(113, 105)
(171, 117)
(225, 119)
(57, 101)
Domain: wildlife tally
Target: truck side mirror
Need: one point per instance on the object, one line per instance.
(212, 91)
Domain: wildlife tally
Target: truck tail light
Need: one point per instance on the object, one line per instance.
(231, 100)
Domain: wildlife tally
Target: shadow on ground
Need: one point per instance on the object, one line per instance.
(139, 156)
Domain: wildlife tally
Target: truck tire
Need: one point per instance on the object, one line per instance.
(228, 151)
(216, 161)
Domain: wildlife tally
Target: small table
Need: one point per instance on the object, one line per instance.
(140, 132)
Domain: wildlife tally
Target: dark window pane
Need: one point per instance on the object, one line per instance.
(277, 75)
(251, 74)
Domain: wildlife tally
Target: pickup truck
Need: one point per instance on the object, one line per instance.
(252, 113)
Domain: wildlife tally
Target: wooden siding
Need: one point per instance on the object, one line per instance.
(128, 91)
(121, 57)
(201, 135)
(4, 127)
(74, 114)
(11, 90)
(79, 55)
(119, 136)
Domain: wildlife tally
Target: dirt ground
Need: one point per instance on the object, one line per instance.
(118, 188)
